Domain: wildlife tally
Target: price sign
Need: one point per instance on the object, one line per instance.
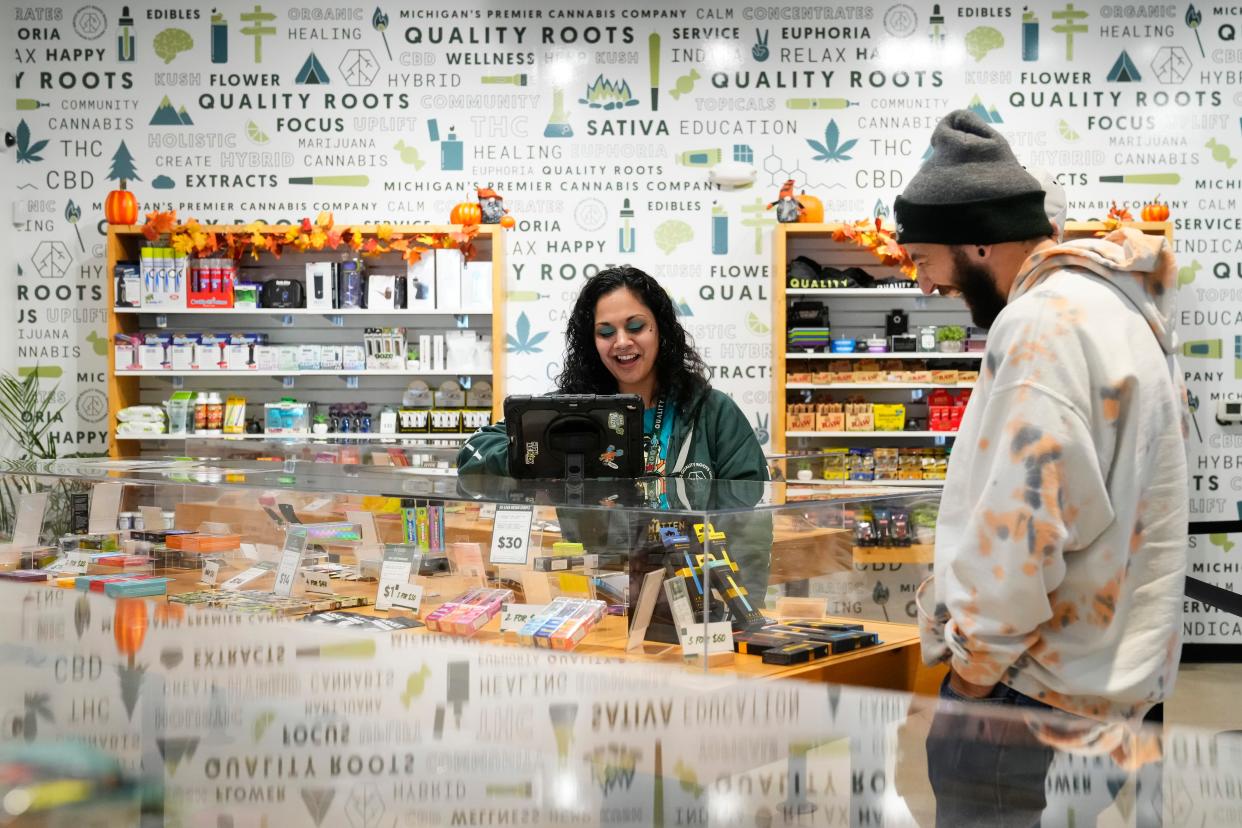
(516, 615)
(399, 561)
(408, 596)
(211, 571)
(29, 524)
(105, 506)
(242, 578)
(511, 533)
(290, 561)
(718, 638)
(77, 562)
(318, 583)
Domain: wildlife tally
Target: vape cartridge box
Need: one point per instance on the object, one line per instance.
(796, 653)
(308, 357)
(420, 290)
(476, 287)
(353, 358)
(575, 628)
(450, 265)
(320, 285)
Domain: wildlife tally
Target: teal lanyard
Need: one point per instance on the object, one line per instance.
(657, 442)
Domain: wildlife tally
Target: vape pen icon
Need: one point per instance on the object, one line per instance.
(452, 153)
(720, 230)
(1030, 35)
(625, 242)
(125, 37)
(219, 38)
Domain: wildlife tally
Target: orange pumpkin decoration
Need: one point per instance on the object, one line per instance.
(121, 207)
(507, 222)
(1157, 210)
(467, 212)
(812, 209)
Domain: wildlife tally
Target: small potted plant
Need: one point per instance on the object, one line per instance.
(804, 470)
(949, 338)
(320, 426)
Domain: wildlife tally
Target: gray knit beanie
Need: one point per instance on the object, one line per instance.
(971, 190)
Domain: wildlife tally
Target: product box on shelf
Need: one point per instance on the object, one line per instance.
(163, 278)
(128, 285)
(211, 283)
(477, 287)
(420, 291)
(209, 352)
(859, 417)
(450, 266)
(181, 351)
(353, 358)
(350, 283)
(829, 417)
(153, 353)
(125, 351)
(800, 417)
(287, 417)
(320, 285)
(381, 293)
(889, 416)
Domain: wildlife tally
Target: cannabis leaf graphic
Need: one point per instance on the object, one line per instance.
(26, 151)
(832, 152)
(524, 343)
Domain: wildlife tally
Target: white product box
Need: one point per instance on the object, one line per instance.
(353, 358)
(330, 357)
(181, 357)
(238, 357)
(265, 357)
(437, 353)
(476, 287)
(381, 291)
(151, 357)
(308, 357)
(320, 285)
(287, 357)
(450, 266)
(420, 294)
(424, 353)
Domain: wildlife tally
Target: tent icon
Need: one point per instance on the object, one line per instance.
(1124, 70)
(312, 71)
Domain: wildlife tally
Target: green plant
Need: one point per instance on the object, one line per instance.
(27, 415)
(950, 333)
(321, 418)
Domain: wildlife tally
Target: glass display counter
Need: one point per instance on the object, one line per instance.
(141, 711)
(740, 578)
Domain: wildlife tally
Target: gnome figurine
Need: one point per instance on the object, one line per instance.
(491, 205)
(788, 208)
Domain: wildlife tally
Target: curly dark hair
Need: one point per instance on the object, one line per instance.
(680, 371)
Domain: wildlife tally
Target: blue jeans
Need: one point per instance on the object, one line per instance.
(986, 770)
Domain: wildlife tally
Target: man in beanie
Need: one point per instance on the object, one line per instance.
(1061, 541)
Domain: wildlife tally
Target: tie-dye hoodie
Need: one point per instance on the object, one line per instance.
(1061, 542)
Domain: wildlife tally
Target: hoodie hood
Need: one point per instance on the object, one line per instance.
(1139, 266)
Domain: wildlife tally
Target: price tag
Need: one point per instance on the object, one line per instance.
(78, 562)
(679, 602)
(250, 551)
(408, 596)
(647, 597)
(152, 518)
(318, 583)
(515, 616)
(511, 533)
(399, 561)
(211, 571)
(242, 578)
(105, 506)
(718, 638)
(290, 561)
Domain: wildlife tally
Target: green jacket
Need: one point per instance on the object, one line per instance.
(715, 442)
(709, 449)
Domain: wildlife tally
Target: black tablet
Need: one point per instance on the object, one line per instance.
(575, 436)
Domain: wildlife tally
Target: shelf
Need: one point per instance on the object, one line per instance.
(320, 373)
(874, 385)
(789, 355)
(301, 312)
(370, 437)
(906, 484)
(839, 435)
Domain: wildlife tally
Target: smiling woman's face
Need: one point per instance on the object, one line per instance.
(628, 341)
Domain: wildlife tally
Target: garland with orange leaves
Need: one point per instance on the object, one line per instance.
(191, 239)
(877, 237)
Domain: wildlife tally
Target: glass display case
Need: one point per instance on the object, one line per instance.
(145, 712)
(671, 571)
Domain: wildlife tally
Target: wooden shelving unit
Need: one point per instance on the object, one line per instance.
(862, 308)
(297, 326)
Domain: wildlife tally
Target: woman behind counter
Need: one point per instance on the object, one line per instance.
(624, 338)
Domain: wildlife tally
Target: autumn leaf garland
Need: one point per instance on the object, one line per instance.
(876, 236)
(191, 239)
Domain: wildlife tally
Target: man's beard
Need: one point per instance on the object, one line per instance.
(978, 288)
